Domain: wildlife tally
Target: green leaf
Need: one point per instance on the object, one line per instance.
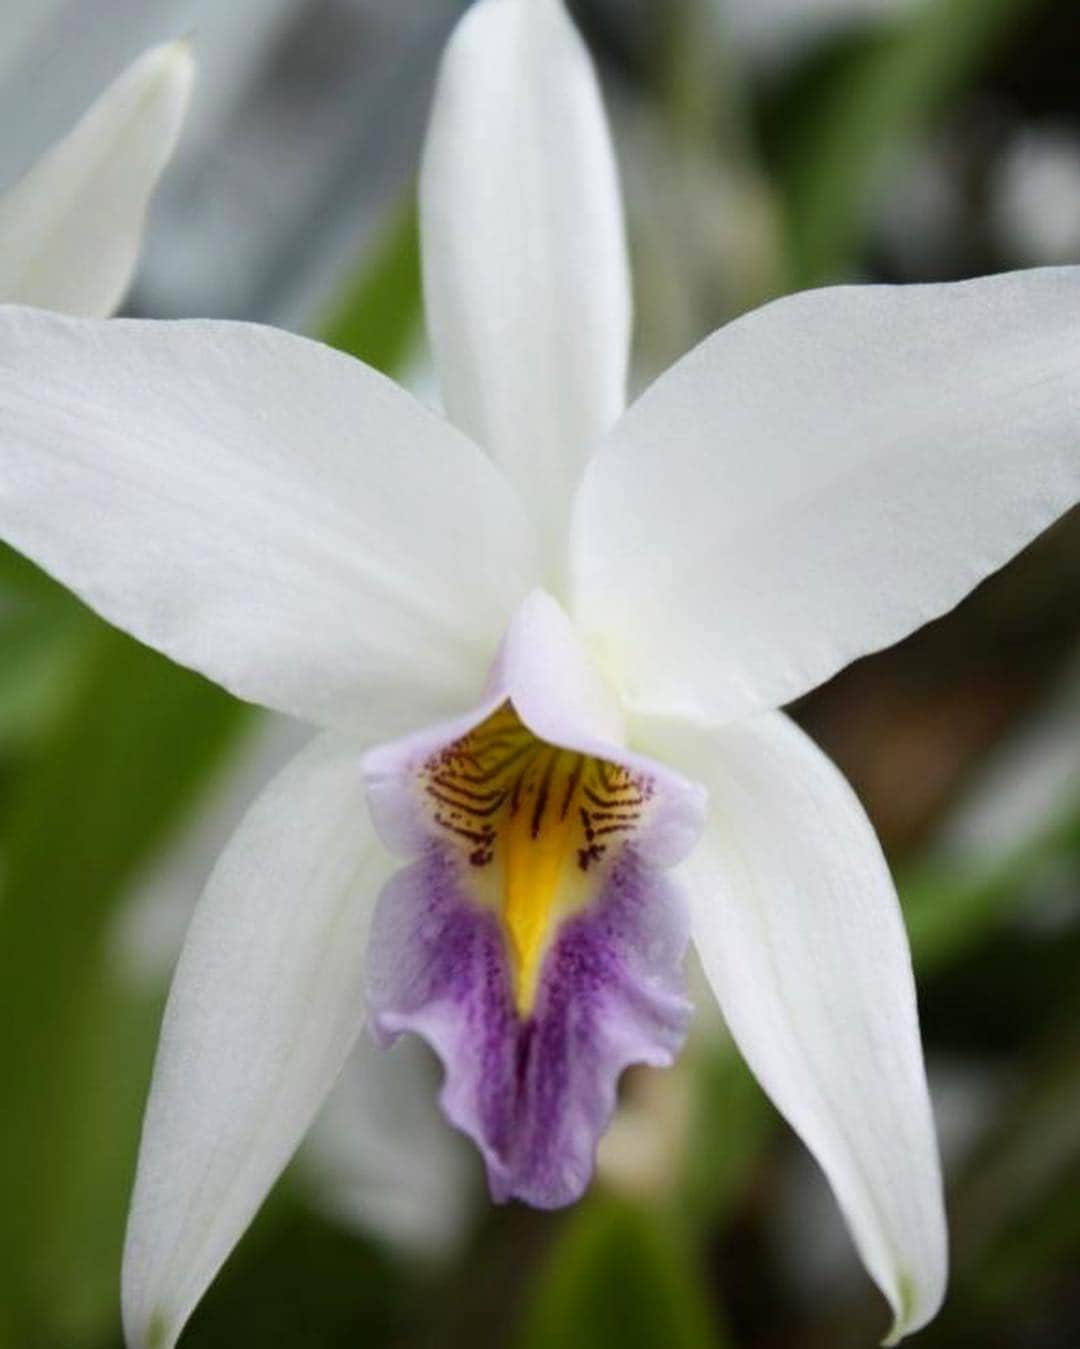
(1014, 1216)
(878, 100)
(42, 647)
(19, 576)
(378, 317)
(949, 911)
(732, 1127)
(296, 1280)
(620, 1277)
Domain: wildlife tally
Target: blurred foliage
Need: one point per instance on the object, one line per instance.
(297, 1281)
(731, 1129)
(842, 128)
(624, 1276)
(109, 777)
(106, 751)
(377, 318)
(948, 912)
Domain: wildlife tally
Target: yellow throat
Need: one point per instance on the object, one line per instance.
(535, 825)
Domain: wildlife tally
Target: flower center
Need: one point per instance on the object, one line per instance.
(535, 824)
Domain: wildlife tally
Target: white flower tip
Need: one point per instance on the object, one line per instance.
(160, 84)
(157, 1334)
(71, 228)
(170, 69)
(905, 1306)
(498, 21)
(157, 1331)
(915, 1304)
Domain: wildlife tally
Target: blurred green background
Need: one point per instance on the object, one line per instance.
(766, 145)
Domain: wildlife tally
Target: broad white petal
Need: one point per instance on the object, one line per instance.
(70, 230)
(822, 477)
(265, 1005)
(268, 511)
(525, 269)
(798, 927)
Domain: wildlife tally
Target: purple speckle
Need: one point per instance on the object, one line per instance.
(534, 1093)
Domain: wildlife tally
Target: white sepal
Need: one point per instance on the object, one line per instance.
(799, 930)
(265, 1005)
(70, 230)
(525, 269)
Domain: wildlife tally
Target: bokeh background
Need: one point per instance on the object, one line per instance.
(766, 145)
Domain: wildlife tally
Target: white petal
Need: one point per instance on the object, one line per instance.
(265, 1005)
(70, 230)
(264, 509)
(554, 684)
(799, 930)
(525, 268)
(822, 477)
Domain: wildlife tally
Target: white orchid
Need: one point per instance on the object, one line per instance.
(546, 639)
(70, 229)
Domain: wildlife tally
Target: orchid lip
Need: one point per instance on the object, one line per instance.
(534, 940)
(535, 823)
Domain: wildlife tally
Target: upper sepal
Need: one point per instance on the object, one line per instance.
(526, 277)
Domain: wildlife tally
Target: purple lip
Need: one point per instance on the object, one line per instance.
(535, 1093)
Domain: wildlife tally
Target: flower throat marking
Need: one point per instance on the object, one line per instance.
(535, 825)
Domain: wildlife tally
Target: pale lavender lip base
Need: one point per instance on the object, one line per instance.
(534, 1094)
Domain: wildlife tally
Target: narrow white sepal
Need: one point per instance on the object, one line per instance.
(265, 1005)
(525, 268)
(70, 230)
(799, 930)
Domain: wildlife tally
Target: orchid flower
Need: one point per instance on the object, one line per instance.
(545, 639)
(70, 229)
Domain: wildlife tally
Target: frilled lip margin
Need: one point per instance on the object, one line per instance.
(534, 938)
